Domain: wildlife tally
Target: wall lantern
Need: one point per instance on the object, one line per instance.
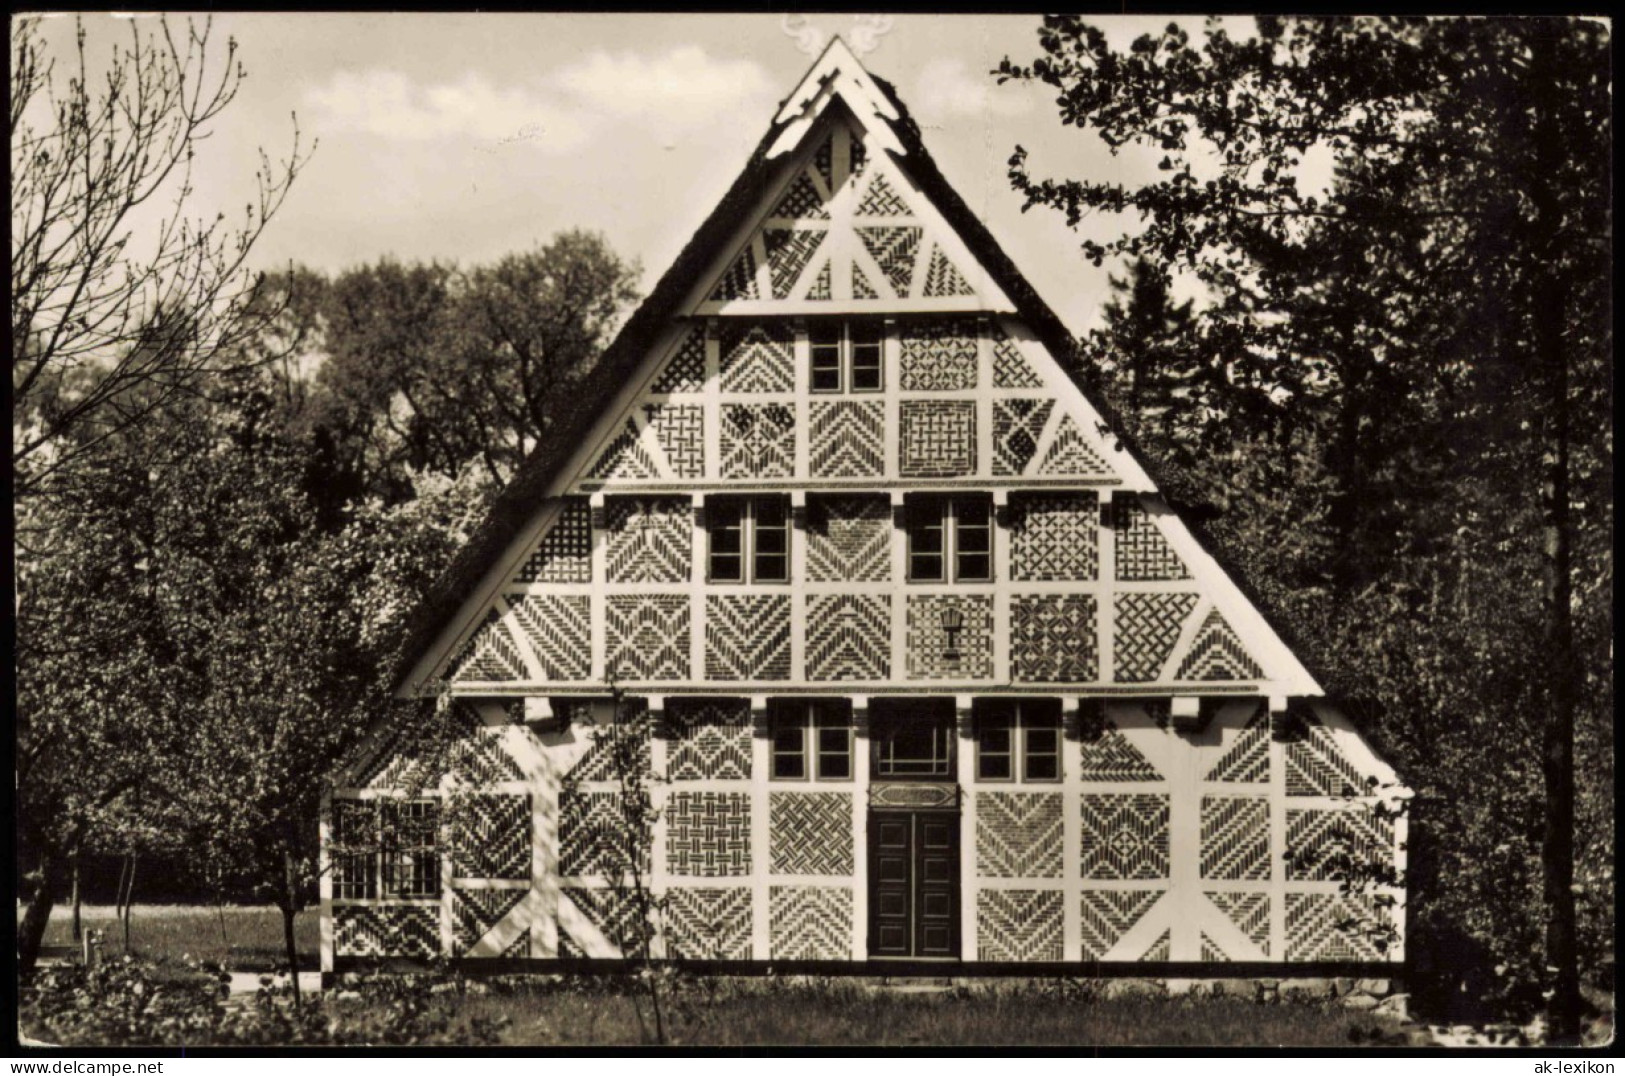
(953, 622)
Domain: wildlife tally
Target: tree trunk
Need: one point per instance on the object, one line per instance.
(1549, 316)
(31, 931)
(129, 900)
(290, 905)
(1557, 753)
(78, 933)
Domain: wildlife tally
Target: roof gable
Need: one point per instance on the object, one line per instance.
(841, 157)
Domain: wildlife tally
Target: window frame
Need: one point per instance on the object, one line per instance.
(387, 867)
(749, 527)
(809, 719)
(881, 737)
(847, 338)
(947, 520)
(1020, 718)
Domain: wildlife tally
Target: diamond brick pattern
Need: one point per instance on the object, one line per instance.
(893, 249)
(1019, 924)
(710, 740)
(708, 834)
(848, 439)
(788, 253)
(1145, 631)
(810, 832)
(739, 282)
(757, 358)
(929, 654)
(810, 922)
(1249, 911)
(564, 554)
(557, 629)
(942, 278)
(387, 930)
(1236, 838)
(1018, 834)
(1052, 638)
(1142, 552)
(708, 924)
(849, 540)
(489, 655)
(1072, 454)
(680, 431)
(685, 370)
(592, 835)
(938, 357)
(1338, 844)
(824, 163)
(1111, 757)
(1017, 426)
(1248, 759)
(490, 836)
(1125, 836)
(880, 200)
(848, 637)
(1108, 914)
(801, 201)
(1315, 767)
(938, 438)
(1054, 538)
(475, 911)
(646, 636)
(758, 441)
(1217, 654)
(747, 637)
(1331, 926)
(648, 539)
(612, 912)
(860, 159)
(1011, 370)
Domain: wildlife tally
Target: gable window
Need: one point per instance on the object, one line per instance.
(385, 848)
(950, 539)
(1018, 736)
(749, 539)
(812, 739)
(846, 357)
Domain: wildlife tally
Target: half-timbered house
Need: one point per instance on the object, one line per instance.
(939, 676)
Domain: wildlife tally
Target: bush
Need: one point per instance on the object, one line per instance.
(124, 1003)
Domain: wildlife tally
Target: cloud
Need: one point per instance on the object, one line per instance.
(946, 89)
(560, 112)
(685, 87)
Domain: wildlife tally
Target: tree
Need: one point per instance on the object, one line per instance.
(431, 368)
(119, 301)
(1437, 308)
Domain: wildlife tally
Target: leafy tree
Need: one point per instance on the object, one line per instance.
(432, 368)
(1436, 318)
(120, 300)
(1145, 347)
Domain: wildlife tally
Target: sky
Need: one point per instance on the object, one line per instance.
(464, 137)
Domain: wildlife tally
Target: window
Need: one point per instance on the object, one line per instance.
(846, 357)
(750, 539)
(914, 740)
(385, 848)
(1018, 735)
(812, 739)
(950, 533)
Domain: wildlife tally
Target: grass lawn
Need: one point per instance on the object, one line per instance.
(252, 939)
(755, 1012)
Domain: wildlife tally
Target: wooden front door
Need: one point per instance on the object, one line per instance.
(913, 884)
